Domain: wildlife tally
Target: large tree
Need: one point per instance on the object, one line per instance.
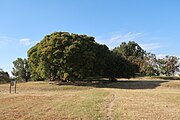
(62, 55)
(21, 69)
(132, 52)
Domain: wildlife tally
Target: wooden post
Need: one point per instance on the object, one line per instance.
(15, 85)
(12, 83)
(10, 88)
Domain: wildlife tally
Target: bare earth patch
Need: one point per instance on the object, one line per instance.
(109, 102)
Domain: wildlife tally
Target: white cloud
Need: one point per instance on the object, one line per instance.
(150, 46)
(25, 41)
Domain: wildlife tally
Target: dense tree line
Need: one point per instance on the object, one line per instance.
(66, 56)
(147, 62)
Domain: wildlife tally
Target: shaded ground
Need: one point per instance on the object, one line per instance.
(125, 100)
(120, 84)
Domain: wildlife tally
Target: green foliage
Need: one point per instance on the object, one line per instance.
(66, 56)
(146, 63)
(130, 50)
(21, 69)
(4, 76)
(78, 55)
(118, 67)
(149, 65)
(133, 53)
(169, 65)
(62, 52)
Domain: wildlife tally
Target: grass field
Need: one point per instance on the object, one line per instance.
(122, 100)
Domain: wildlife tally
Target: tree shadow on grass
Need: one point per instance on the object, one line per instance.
(123, 84)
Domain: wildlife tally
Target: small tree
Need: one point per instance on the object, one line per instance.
(21, 69)
(151, 65)
(169, 65)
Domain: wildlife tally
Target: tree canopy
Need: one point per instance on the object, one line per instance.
(21, 69)
(169, 65)
(132, 52)
(76, 56)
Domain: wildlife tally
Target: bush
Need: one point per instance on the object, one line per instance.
(66, 77)
(4, 77)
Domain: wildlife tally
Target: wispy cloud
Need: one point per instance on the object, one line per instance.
(25, 41)
(150, 46)
(4, 40)
(130, 36)
(114, 39)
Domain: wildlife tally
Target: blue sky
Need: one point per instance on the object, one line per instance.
(154, 24)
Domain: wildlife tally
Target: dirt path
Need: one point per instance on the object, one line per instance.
(109, 106)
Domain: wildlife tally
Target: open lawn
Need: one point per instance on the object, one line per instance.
(122, 100)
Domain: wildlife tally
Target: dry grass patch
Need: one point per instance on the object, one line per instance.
(43, 101)
(125, 100)
(160, 103)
